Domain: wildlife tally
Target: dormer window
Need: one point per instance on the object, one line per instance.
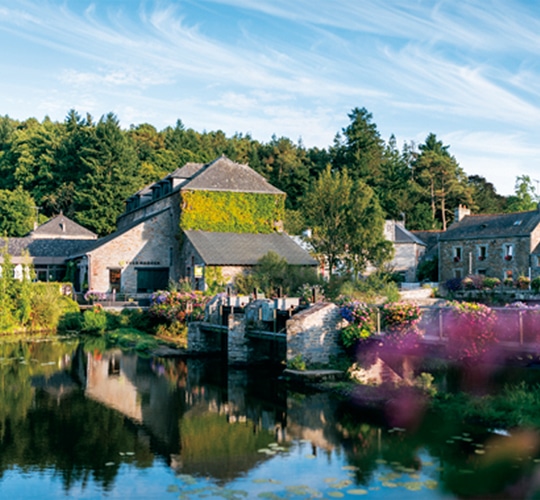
(166, 187)
(518, 222)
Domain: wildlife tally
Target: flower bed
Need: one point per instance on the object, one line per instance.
(470, 328)
(361, 319)
(400, 321)
(177, 306)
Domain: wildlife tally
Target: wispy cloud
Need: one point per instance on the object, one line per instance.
(287, 68)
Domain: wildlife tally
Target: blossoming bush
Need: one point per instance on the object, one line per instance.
(172, 306)
(399, 320)
(361, 319)
(471, 330)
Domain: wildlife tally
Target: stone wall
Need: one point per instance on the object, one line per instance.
(151, 244)
(494, 264)
(314, 334)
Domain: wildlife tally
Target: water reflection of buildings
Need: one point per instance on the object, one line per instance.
(210, 420)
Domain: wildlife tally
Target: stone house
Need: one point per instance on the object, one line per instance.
(501, 245)
(408, 249)
(201, 216)
(48, 246)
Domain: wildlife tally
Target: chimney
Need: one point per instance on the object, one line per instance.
(460, 212)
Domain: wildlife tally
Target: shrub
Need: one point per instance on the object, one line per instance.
(305, 292)
(94, 320)
(297, 363)
(523, 282)
(400, 317)
(361, 319)
(470, 330)
(535, 284)
(177, 306)
(399, 320)
(70, 322)
(177, 331)
(453, 284)
(491, 283)
(508, 282)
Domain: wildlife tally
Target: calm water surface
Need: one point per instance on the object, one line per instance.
(78, 421)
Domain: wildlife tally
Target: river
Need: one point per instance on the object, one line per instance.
(80, 421)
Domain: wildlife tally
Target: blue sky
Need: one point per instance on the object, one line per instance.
(468, 71)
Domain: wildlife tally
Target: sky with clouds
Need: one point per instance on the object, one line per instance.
(468, 71)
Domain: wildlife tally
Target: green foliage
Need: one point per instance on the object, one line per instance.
(17, 212)
(213, 277)
(94, 320)
(535, 284)
(234, 212)
(441, 179)
(371, 289)
(424, 382)
(428, 270)
(346, 221)
(87, 169)
(525, 197)
(272, 273)
(297, 363)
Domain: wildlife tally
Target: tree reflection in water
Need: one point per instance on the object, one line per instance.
(90, 416)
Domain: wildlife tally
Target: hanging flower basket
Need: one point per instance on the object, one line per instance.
(480, 257)
(507, 257)
(456, 259)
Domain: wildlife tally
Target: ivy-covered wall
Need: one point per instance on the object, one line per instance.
(231, 212)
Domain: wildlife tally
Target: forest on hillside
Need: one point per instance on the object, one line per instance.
(87, 169)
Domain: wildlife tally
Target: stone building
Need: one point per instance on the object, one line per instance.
(220, 215)
(48, 247)
(501, 246)
(408, 249)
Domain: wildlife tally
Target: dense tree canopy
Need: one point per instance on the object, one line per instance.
(87, 169)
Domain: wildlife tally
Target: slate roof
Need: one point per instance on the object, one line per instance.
(233, 249)
(46, 247)
(62, 227)
(225, 175)
(187, 171)
(402, 235)
(518, 224)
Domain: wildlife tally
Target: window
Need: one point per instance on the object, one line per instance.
(457, 254)
(457, 273)
(508, 251)
(482, 252)
(114, 279)
(483, 272)
(150, 280)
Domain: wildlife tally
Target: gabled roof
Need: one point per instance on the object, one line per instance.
(44, 247)
(398, 234)
(187, 171)
(233, 249)
(517, 224)
(63, 228)
(225, 175)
